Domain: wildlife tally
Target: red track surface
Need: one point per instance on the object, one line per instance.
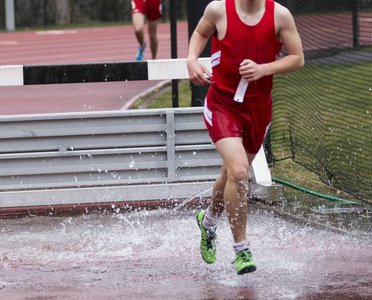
(78, 46)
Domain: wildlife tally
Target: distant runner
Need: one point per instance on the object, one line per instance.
(152, 9)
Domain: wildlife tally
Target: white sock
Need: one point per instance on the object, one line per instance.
(209, 221)
(244, 245)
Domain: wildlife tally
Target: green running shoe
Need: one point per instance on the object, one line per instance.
(244, 262)
(208, 241)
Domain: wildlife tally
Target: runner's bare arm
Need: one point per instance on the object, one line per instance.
(287, 33)
(205, 28)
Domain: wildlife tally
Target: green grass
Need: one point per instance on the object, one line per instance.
(327, 110)
(162, 98)
(296, 174)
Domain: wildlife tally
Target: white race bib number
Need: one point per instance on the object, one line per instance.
(240, 91)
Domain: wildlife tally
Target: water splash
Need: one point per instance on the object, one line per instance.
(198, 195)
(156, 252)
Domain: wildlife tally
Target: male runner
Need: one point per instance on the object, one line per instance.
(152, 9)
(247, 39)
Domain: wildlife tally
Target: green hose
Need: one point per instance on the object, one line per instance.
(313, 193)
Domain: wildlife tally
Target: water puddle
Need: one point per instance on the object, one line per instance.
(154, 254)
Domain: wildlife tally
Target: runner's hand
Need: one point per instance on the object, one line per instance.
(199, 74)
(251, 71)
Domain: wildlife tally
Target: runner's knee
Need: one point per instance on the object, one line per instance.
(238, 173)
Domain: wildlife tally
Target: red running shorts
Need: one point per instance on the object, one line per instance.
(152, 9)
(249, 120)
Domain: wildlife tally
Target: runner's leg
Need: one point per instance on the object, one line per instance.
(235, 191)
(138, 20)
(152, 27)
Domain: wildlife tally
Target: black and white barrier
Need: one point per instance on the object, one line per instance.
(162, 69)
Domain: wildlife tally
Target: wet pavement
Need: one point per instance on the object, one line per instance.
(154, 254)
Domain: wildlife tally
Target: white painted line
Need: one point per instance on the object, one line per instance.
(128, 104)
(56, 32)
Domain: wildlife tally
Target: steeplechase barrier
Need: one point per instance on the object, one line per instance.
(111, 157)
(161, 69)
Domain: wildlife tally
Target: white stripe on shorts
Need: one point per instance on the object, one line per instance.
(207, 113)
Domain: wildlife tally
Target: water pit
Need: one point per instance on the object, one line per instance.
(154, 254)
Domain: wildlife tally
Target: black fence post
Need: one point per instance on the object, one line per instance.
(46, 14)
(173, 21)
(356, 31)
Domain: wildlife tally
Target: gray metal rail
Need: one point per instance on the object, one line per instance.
(56, 159)
(117, 156)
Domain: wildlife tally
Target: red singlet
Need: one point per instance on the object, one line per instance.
(152, 9)
(251, 117)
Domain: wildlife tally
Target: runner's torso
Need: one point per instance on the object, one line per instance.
(258, 43)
